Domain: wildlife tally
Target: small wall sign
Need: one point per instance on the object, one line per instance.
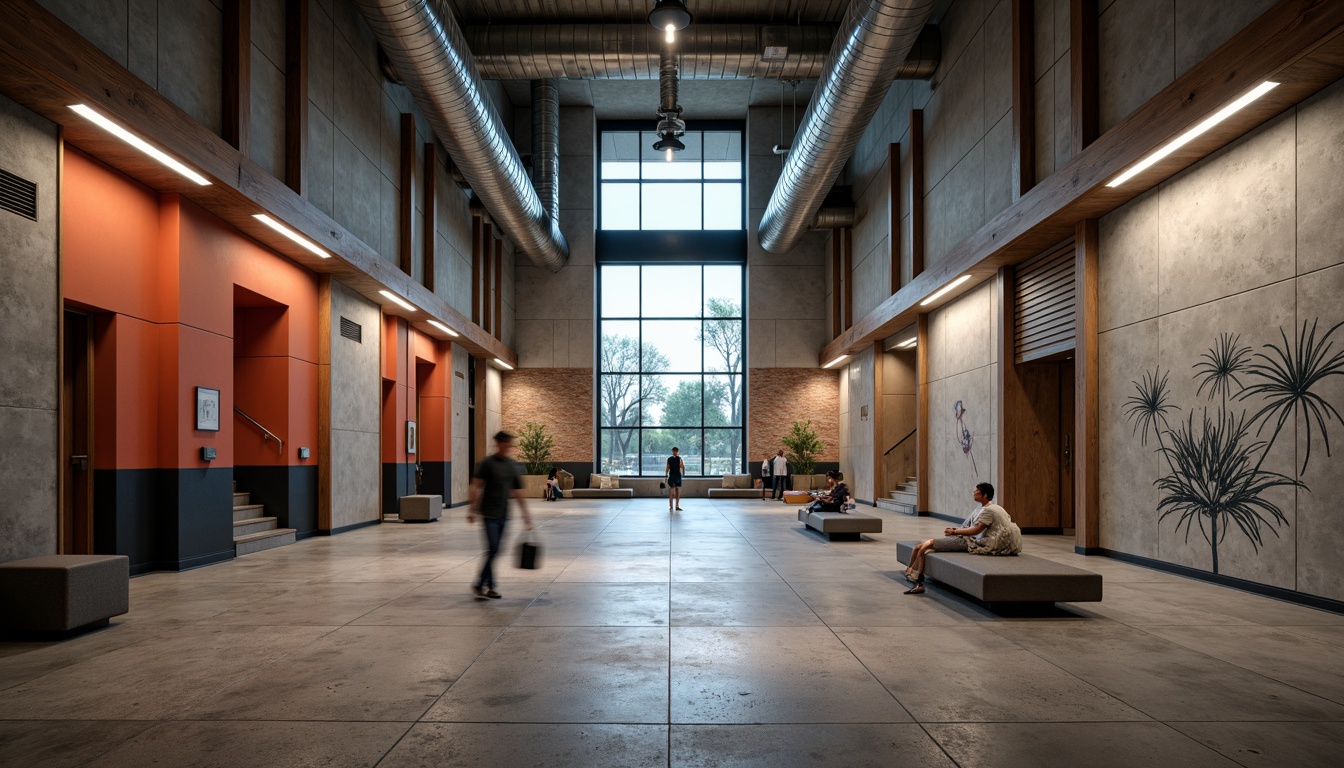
(410, 437)
(207, 409)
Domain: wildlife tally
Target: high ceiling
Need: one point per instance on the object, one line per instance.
(630, 11)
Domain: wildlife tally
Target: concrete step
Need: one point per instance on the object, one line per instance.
(257, 542)
(248, 511)
(241, 499)
(895, 506)
(253, 525)
(904, 498)
(907, 488)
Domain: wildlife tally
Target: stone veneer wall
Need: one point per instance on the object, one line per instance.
(777, 397)
(560, 398)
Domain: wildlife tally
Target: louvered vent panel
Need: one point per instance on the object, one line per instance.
(352, 330)
(1044, 304)
(18, 195)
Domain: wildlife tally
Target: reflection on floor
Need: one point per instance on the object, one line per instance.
(723, 636)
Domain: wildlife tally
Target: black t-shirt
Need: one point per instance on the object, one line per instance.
(500, 480)
(674, 467)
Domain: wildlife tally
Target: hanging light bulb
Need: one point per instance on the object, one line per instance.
(668, 155)
(670, 14)
(671, 34)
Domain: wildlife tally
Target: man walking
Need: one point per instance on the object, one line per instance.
(495, 480)
(779, 471)
(672, 476)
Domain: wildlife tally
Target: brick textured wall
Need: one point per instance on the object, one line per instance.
(560, 398)
(780, 396)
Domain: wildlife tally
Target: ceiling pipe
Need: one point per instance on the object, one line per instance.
(426, 47)
(546, 144)
(874, 39)
(707, 51)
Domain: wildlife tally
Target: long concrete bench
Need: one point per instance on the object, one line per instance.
(603, 493)
(841, 526)
(63, 594)
(734, 493)
(1013, 579)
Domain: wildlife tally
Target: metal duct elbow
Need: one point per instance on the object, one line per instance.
(874, 39)
(546, 144)
(836, 217)
(426, 46)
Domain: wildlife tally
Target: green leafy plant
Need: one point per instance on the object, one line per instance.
(535, 445)
(803, 446)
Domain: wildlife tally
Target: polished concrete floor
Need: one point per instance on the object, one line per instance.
(724, 636)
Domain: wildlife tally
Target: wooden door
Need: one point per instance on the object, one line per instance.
(1066, 442)
(77, 484)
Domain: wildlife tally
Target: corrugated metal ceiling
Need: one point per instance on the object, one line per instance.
(627, 11)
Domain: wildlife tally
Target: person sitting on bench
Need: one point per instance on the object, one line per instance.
(552, 491)
(835, 495)
(992, 532)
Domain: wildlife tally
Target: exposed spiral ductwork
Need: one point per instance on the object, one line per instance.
(707, 51)
(874, 39)
(546, 144)
(427, 49)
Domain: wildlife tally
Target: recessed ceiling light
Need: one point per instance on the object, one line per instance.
(395, 299)
(291, 234)
(139, 143)
(444, 328)
(944, 290)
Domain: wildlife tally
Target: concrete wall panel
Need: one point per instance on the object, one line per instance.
(1128, 263)
(1135, 52)
(1320, 165)
(191, 49)
(1206, 24)
(1128, 518)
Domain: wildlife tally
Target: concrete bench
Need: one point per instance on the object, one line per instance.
(63, 594)
(603, 493)
(841, 526)
(734, 493)
(1012, 579)
(420, 508)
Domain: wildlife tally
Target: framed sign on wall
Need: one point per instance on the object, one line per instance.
(207, 409)
(410, 437)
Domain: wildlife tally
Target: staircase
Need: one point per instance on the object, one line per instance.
(252, 530)
(904, 499)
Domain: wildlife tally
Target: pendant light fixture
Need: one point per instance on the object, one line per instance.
(670, 16)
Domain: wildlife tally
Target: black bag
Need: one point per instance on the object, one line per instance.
(529, 555)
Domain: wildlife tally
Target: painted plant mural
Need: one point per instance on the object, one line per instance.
(1216, 480)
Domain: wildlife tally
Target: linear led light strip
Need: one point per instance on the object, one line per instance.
(291, 234)
(395, 299)
(503, 364)
(943, 292)
(908, 343)
(835, 361)
(444, 328)
(139, 143)
(1191, 134)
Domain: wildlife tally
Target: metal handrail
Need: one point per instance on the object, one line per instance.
(266, 434)
(902, 440)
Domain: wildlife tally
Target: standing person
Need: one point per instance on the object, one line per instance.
(766, 482)
(672, 476)
(779, 471)
(495, 480)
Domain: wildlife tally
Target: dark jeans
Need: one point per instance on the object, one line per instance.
(781, 485)
(494, 534)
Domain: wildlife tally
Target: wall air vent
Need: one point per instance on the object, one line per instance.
(352, 330)
(18, 195)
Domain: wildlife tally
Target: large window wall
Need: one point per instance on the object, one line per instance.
(698, 189)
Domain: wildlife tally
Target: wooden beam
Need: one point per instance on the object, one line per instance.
(237, 72)
(497, 323)
(1297, 43)
(324, 441)
(1084, 84)
(1024, 96)
(405, 195)
(894, 216)
(916, 193)
(296, 95)
(430, 216)
(1087, 421)
(847, 266)
(50, 66)
(922, 414)
(880, 487)
(836, 284)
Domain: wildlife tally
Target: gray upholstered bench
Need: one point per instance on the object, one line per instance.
(846, 526)
(63, 593)
(734, 493)
(602, 493)
(1015, 579)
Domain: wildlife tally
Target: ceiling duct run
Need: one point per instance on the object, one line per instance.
(707, 51)
(546, 144)
(874, 39)
(427, 49)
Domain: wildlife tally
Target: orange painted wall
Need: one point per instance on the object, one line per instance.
(417, 386)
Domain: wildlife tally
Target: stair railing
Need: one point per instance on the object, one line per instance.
(266, 434)
(902, 440)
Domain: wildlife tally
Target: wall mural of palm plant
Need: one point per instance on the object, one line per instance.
(1215, 477)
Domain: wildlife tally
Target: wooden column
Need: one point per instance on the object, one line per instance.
(324, 465)
(478, 236)
(1024, 97)
(847, 266)
(916, 192)
(1084, 111)
(1009, 386)
(296, 95)
(922, 414)
(497, 324)
(837, 286)
(894, 215)
(430, 216)
(1087, 437)
(880, 486)
(405, 195)
(237, 72)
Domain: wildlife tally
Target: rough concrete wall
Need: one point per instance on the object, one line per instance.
(460, 427)
(781, 396)
(555, 311)
(856, 424)
(29, 317)
(174, 46)
(356, 417)
(963, 365)
(1244, 243)
(1143, 45)
(560, 399)
(266, 128)
(1054, 128)
(494, 397)
(786, 301)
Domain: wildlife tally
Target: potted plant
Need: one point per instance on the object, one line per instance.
(534, 446)
(802, 447)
